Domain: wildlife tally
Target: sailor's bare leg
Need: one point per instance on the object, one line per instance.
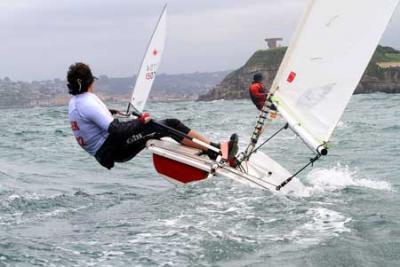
(198, 136)
(233, 147)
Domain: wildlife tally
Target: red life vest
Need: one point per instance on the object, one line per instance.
(258, 94)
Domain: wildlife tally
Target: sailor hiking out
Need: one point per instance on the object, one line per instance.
(110, 140)
(257, 91)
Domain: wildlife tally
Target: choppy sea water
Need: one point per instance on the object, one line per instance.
(58, 207)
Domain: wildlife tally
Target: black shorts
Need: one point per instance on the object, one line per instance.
(117, 150)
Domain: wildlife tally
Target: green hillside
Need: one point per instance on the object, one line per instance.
(381, 75)
(386, 54)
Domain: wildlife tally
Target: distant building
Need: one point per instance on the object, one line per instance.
(273, 42)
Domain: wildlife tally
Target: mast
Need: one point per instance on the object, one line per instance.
(150, 63)
(265, 114)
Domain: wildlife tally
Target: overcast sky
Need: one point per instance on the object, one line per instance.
(41, 38)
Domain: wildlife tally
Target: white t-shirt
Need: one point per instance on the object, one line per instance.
(90, 119)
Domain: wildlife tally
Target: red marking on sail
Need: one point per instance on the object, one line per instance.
(178, 171)
(155, 52)
(291, 77)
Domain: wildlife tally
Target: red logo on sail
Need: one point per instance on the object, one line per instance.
(155, 52)
(291, 77)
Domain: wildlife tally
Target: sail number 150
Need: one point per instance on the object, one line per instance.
(151, 71)
(150, 75)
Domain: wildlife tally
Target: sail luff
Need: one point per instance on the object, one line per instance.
(291, 47)
(150, 63)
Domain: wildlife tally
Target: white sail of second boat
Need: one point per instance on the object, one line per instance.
(150, 64)
(323, 65)
(325, 61)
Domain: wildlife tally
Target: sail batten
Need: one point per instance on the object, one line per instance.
(325, 61)
(150, 64)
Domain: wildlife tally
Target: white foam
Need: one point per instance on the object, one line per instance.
(13, 197)
(323, 224)
(339, 177)
(324, 220)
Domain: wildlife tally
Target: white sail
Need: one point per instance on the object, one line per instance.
(150, 64)
(329, 53)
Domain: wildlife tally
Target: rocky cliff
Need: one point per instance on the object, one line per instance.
(382, 74)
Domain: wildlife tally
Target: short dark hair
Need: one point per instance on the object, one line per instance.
(258, 77)
(79, 78)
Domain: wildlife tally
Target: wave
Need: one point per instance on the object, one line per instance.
(25, 207)
(339, 177)
(323, 223)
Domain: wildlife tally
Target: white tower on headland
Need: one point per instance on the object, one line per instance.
(273, 42)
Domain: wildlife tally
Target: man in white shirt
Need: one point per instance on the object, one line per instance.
(110, 140)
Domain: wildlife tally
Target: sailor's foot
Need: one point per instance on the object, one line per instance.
(233, 149)
(228, 149)
(233, 146)
(212, 154)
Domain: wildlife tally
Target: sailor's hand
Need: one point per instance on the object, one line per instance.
(144, 118)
